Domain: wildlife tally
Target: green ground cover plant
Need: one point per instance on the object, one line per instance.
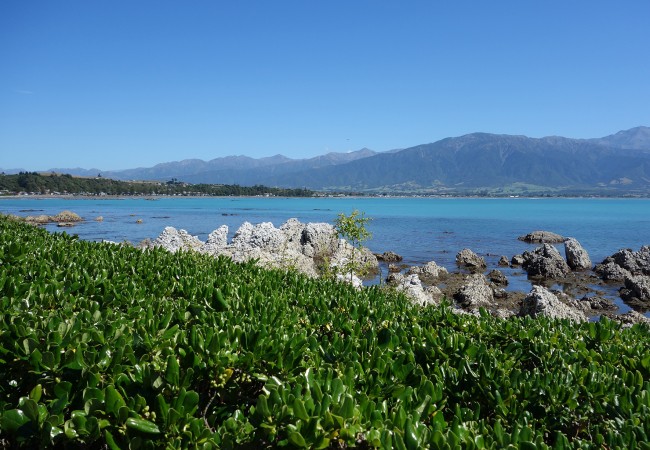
(107, 346)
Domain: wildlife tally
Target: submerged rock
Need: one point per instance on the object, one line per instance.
(541, 237)
(503, 261)
(497, 277)
(389, 257)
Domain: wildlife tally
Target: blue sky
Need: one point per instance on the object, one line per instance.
(122, 84)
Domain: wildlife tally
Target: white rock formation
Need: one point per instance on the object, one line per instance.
(294, 245)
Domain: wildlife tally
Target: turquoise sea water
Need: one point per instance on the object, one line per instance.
(420, 229)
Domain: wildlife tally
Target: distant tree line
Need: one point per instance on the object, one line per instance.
(53, 184)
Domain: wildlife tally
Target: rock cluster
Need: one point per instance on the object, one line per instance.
(633, 269)
(314, 248)
(625, 263)
(303, 247)
(63, 219)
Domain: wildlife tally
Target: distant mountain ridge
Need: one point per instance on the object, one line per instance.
(496, 164)
(487, 161)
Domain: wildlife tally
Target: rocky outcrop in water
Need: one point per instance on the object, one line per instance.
(636, 291)
(625, 263)
(517, 260)
(545, 262)
(542, 237)
(389, 257)
(64, 218)
(471, 261)
(576, 256)
(314, 249)
(611, 272)
(497, 277)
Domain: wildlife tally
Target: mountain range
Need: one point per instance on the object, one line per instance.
(477, 162)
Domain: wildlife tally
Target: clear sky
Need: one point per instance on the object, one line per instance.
(127, 83)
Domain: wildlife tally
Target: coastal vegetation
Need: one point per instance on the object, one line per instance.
(109, 346)
(57, 184)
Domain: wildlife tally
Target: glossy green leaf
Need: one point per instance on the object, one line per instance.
(172, 372)
(13, 419)
(142, 425)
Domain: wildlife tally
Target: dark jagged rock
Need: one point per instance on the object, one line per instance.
(497, 277)
(503, 261)
(392, 268)
(470, 260)
(517, 260)
(632, 263)
(611, 271)
(389, 257)
(545, 262)
(637, 290)
(598, 303)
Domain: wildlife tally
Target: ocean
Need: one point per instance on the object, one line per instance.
(419, 229)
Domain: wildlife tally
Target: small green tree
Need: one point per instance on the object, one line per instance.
(353, 229)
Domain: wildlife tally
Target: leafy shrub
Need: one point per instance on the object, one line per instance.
(110, 346)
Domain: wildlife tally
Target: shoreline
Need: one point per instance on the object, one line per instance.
(426, 237)
(317, 197)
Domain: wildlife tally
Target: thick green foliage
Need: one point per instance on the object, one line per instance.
(110, 346)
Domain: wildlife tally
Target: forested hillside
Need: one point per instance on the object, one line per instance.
(53, 184)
